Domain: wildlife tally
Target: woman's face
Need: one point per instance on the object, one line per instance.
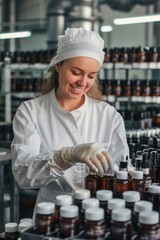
(76, 76)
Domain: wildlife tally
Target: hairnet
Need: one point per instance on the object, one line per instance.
(78, 42)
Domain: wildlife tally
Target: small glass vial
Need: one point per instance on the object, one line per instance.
(121, 183)
(137, 183)
(113, 204)
(121, 226)
(149, 227)
(80, 195)
(45, 217)
(92, 183)
(62, 200)
(153, 195)
(11, 231)
(88, 203)
(130, 198)
(94, 223)
(140, 206)
(69, 223)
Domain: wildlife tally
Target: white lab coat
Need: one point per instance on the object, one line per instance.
(41, 126)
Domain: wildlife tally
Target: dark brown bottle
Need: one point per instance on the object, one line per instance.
(88, 203)
(137, 183)
(121, 226)
(107, 181)
(94, 223)
(121, 183)
(113, 204)
(62, 200)
(153, 195)
(149, 227)
(79, 196)
(69, 222)
(130, 198)
(140, 206)
(45, 218)
(11, 231)
(92, 183)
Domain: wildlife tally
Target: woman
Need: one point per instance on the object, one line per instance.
(58, 134)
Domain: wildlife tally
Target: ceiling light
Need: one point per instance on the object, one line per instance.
(10, 35)
(106, 28)
(140, 19)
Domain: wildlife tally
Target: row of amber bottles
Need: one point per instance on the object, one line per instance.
(31, 57)
(130, 87)
(132, 54)
(144, 173)
(102, 217)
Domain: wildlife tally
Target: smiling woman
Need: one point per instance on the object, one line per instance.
(66, 129)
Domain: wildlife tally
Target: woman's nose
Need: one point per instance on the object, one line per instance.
(82, 81)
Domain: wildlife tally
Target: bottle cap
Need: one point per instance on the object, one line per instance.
(45, 208)
(82, 194)
(26, 220)
(11, 227)
(143, 205)
(137, 175)
(154, 189)
(122, 175)
(94, 214)
(64, 200)
(104, 195)
(131, 196)
(149, 217)
(24, 225)
(71, 211)
(90, 202)
(121, 215)
(116, 203)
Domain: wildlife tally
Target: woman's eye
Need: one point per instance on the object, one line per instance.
(76, 73)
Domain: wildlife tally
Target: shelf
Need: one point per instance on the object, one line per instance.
(145, 65)
(141, 99)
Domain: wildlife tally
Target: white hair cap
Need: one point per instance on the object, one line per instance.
(78, 42)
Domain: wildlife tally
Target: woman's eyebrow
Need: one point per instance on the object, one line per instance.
(83, 71)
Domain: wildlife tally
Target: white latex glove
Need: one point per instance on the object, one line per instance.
(93, 154)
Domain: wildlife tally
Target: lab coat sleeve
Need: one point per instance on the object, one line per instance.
(30, 167)
(118, 145)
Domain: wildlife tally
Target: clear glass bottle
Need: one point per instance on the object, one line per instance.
(94, 223)
(69, 222)
(149, 227)
(45, 218)
(121, 226)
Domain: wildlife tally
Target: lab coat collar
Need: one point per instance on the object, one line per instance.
(56, 106)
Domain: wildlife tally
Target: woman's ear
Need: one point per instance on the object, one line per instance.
(57, 68)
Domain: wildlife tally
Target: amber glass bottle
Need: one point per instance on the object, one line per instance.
(92, 183)
(121, 184)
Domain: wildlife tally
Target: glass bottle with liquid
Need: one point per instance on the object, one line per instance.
(121, 226)
(149, 227)
(92, 183)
